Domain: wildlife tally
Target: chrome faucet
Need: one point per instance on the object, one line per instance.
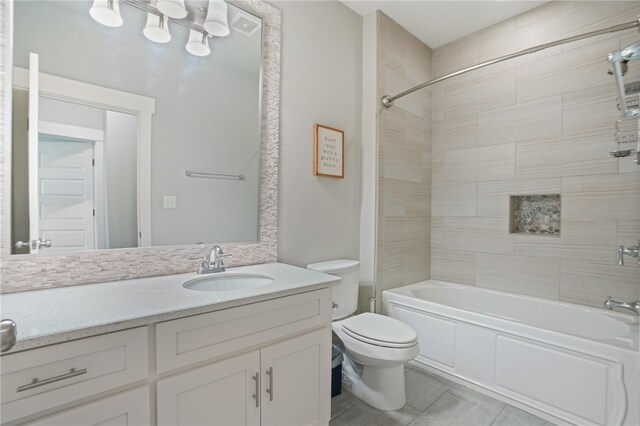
(629, 251)
(630, 306)
(215, 262)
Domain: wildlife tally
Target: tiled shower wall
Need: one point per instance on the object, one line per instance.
(404, 159)
(540, 124)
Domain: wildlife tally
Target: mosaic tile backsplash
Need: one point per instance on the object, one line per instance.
(535, 214)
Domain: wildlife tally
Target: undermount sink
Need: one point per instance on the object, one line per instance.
(228, 282)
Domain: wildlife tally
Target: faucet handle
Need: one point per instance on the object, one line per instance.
(608, 302)
(202, 263)
(620, 256)
(221, 257)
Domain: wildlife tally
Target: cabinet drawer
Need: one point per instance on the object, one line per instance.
(202, 337)
(124, 409)
(40, 379)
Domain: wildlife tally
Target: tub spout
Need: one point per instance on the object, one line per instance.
(630, 306)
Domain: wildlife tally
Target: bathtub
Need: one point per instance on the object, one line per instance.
(567, 363)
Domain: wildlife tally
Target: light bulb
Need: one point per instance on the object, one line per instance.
(198, 44)
(157, 28)
(172, 8)
(216, 22)
(106, 12)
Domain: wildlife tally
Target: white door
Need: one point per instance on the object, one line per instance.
(296, 380)
(66, 194)
(34, 232)
(222, 394)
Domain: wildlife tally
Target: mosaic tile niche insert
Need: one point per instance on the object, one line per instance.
(535, 214)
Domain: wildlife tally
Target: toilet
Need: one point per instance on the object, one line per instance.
(380, 344)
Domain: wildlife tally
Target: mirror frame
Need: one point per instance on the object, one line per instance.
(25, 272)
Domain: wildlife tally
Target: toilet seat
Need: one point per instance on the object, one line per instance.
(379, 330)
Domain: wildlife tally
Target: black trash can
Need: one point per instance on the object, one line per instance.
(336, 371)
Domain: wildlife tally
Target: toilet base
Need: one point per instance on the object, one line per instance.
(381, 387)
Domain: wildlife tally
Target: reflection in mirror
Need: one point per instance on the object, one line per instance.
(146, 133)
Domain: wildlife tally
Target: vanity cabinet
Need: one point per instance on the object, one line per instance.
(264, 363)
(296, 388)
(42, 379)
(283, 384)
(223, 393)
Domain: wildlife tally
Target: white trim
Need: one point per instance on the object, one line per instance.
(33, 152)
(70, 132)
(62, 88)
(100, 200)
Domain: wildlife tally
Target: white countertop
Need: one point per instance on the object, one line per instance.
(45, 317)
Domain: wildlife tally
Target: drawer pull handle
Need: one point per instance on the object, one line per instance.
(257, 394)
(270, 388)
(37, 383)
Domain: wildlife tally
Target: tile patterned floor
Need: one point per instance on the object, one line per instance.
(432, 400)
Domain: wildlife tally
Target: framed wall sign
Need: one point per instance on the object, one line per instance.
(328, 151)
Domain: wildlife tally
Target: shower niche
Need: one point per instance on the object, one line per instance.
(535, 214)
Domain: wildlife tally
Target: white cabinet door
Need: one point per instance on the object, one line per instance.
(125, 409)
(223, 393)
(296, 387)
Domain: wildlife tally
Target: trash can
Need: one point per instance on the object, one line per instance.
(336, 371)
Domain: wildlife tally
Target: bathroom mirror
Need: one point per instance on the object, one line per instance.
(23, 272)
(122, 141)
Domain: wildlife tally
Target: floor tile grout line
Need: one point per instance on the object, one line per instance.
(480, 407)
(437, 399)
(496, 418)
(475, 403)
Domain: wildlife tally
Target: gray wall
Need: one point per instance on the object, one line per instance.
(321, 83)
(19, 172)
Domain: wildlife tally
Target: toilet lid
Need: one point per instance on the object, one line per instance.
(380, 330)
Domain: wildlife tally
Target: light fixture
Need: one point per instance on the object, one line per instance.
(157, 28)
(216, 22)
(172, 8)
(106, 12)
(161, 12)
(198, 44)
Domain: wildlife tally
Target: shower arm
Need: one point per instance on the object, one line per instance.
(387, 100)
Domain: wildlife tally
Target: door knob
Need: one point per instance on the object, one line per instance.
(21, 245)
(45, 243)
(34, 244)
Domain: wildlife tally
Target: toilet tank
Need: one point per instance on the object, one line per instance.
(345, 294)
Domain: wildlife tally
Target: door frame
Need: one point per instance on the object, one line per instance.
(96, 138)
(142, 107)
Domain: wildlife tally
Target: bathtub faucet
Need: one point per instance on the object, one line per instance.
(631, 306)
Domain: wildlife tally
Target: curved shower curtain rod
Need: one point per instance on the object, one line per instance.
(387, 100)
